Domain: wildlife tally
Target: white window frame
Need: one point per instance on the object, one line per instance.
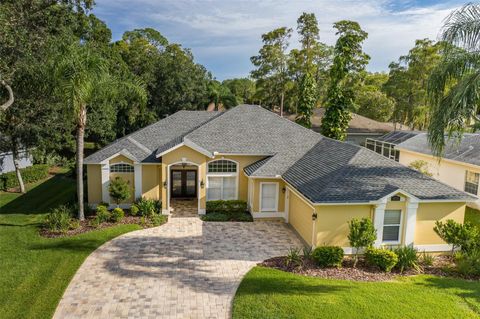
(276, 196)
(220, 174)
(117, 163)
(465, 182)
(400, 229)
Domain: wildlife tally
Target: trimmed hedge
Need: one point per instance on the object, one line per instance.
(226, 206)
(382, 258)
(328, 256)
(29, 175)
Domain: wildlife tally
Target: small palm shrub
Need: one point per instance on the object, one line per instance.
(147, 207)
(134, 210)
(307, 252)
(293, 258)
(407, 259)
(74, 223)
(103, 215)
(381, 258)
(328, 256)
(117, 215)
(426, 259)
(468, 264)
(58, 220)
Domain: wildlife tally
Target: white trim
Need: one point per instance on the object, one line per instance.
(287, 204)
(378, 222)
(273, 209)
(401, 149)
(184, 161)
(411, 222)
(297, 193)
(197, 148)
(350, 250)
(269, 215)
(105, 180)
(169, 150)
(264, 177)
(434, 248)
(137, 178)
(402, 192)
(249, 194)
(400, 229)
(242, 154)
(123, 152)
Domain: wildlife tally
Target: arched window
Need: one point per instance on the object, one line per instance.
(222, 166)
(222, 180)
(121, 168)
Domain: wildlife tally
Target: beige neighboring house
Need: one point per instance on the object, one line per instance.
(282, 170)
(459, 167)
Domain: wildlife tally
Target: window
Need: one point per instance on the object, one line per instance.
(121, 168)
(268, 197)
(384, 148)
(391, 226)
(222, 166)
(471, 182)
(222, 180)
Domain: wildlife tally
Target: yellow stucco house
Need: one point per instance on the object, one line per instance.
(281, 170)
(459, 166)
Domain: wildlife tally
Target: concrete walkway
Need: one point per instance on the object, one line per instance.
(183, 269)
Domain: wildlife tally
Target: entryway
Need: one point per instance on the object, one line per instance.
(184, 207)
(184, 183)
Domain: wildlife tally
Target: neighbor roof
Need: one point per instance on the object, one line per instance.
(466, 150)
(322, 169)
(397, 137)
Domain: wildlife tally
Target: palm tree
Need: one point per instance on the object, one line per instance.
(82, 74)
(454, 86)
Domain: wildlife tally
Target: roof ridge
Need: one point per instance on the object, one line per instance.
(140, 145)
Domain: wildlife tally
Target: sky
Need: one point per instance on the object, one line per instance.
(224, 34)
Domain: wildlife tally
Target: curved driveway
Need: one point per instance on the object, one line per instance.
(183, 269)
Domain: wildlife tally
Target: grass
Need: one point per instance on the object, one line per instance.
(35, 271)
(473, 216)
(269, 293)
(227, 217)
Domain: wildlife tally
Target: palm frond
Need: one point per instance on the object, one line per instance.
(462, 27)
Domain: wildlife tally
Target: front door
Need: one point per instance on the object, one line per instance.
(184, 184)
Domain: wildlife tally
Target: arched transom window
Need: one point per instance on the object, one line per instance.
(121, 168)
(222, 180)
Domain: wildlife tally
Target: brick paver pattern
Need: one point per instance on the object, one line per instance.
(183, 269)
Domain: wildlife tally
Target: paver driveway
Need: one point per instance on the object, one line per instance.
(183, 269)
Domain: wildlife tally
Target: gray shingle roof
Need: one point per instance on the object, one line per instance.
(333, 171)
(397, 137)
(467, 150)
(143, 144)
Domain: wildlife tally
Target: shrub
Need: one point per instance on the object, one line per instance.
(466, 236)
(117, 215)
(119, 189)
(293, 258)
(426, 259)
(74, 223)
(158, 219)
(382, 258)
(421, 166)
(362, 234)
(328, 256)
(103, 215)
(407, 258)
(29, 175)
(226, 206)
(307, 252)
(468, 264)
(147, 207)
(94, 222)
(58, 220)
(227, 217)
(134, 210)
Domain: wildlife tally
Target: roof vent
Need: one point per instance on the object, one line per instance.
(395, 198)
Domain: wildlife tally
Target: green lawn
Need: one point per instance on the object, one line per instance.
(35, 271)
(269, 293)
(473, 216)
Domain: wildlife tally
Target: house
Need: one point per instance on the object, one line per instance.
(360, 128)
(459, 166)
(386, 144)
(282, 170)
(7, 164)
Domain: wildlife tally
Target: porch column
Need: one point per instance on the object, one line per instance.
(378, 222)
(411, 222)
(105, 168)
(137, 172)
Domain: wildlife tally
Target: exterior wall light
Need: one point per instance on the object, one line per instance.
(165, 184)
(202, 184)
(284, 189)
(314, 216)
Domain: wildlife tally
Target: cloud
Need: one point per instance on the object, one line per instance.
(223, 34)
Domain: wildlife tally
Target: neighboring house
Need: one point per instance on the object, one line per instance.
(7, 165)
(459, 167)
(385, 145)
(282, 170)
(359, 128)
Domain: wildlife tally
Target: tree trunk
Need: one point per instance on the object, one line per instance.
(82, 120)
(7, 104)
(17, 170)
(281, 104)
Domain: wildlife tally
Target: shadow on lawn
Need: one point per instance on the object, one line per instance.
(69, 244)
(54, 191)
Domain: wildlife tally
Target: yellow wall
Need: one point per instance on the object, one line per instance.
(256, 193)
(94, 183)
(151, 181)
(428, 213)
(119, 159)
(300, 216)
(332, 223)
(449, 172)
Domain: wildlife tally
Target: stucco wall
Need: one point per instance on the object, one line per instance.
(300, 216)
(256, 193)
(151, 181)
(332, 223)
(119, 159)
(94, 183)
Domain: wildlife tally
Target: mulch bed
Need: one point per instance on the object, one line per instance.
(363, 271)
(86, 227)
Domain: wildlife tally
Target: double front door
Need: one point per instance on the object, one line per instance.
(184, 184)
